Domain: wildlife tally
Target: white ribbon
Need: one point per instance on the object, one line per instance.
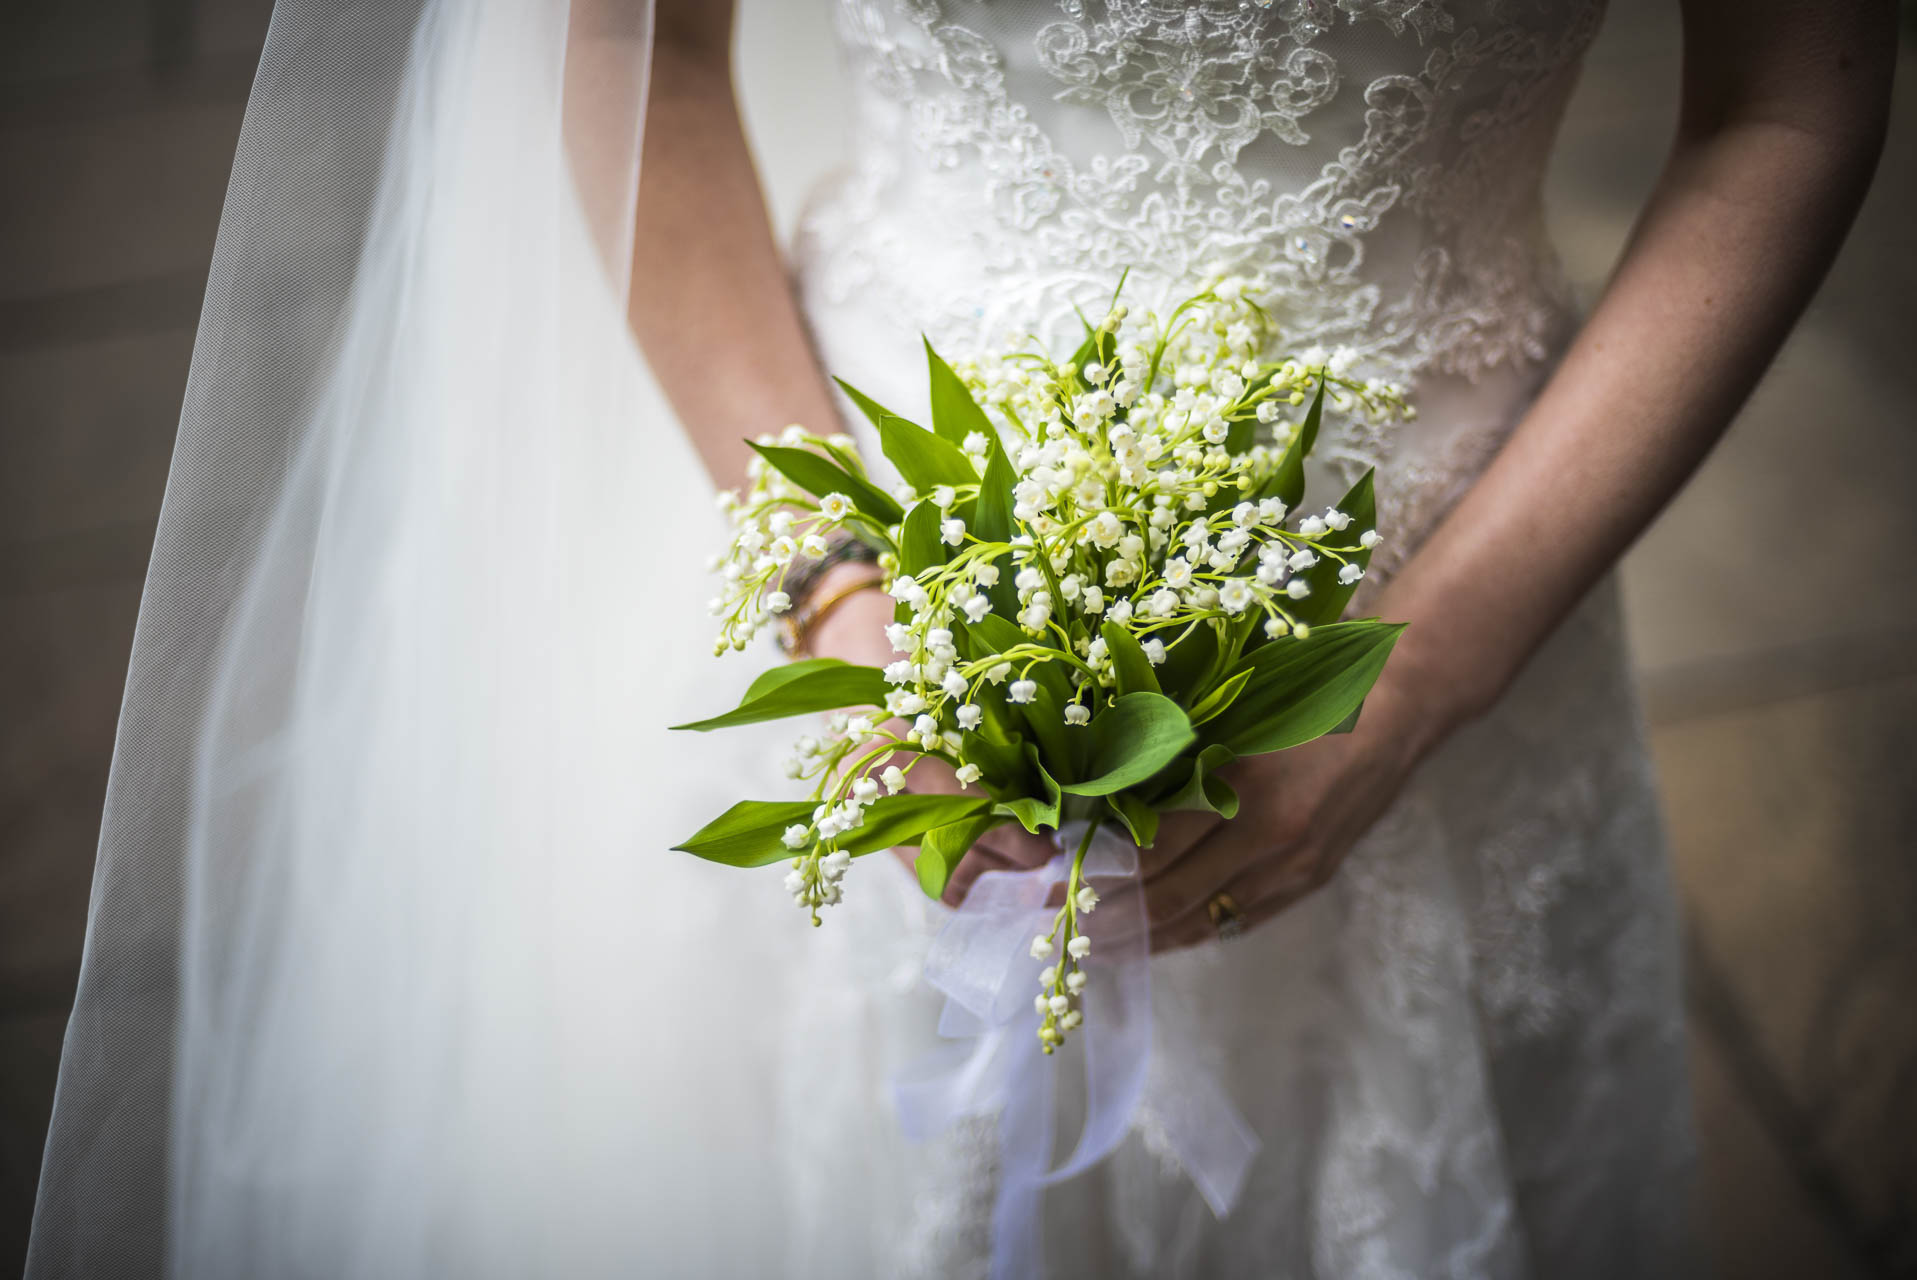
(982, 961)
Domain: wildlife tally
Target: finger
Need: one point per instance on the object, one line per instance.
(973, 865)
(1178, 834)
(1222, 857)
(1262, 892)
(1018, 846)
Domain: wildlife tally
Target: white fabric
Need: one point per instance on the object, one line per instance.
(379, 975)
(389, 972)
(1464, 1058)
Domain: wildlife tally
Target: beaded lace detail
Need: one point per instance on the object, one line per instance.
(1376, 162)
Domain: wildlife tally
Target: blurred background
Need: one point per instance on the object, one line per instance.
(1773, 609)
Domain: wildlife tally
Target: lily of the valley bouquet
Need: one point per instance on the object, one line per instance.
(1108, 587)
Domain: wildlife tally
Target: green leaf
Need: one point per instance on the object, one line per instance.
(1129, 663)
(1329, 596)
(1140, 820)
(921, 457)
(955, 414)
(919, 544)
(872, 409)
(992, 522)
(1219, 698)
(1000, 762)
(750, 833)
(1034, 812)
(819, 476)
(891, 821)
(945, 847)
(1303, 689)
(1093, 348)
(1044, 717)
(1287, 483)
(1202, 790)
(819, 684)
(785, 673)
(1132, 739)
(1349, 723)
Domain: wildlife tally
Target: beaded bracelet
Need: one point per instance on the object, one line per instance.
(796, 627)
(800, 582)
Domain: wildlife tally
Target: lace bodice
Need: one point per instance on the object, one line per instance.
(1377, 162)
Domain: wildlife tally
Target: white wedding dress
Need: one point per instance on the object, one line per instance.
(1465, 1056)
(389, 973)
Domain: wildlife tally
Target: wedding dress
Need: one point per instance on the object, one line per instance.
(1464, 1056)
(389, 972)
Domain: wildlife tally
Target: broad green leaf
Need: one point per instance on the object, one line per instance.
(891, 821)
(1287, 483)
(1044, 716)
(919, 545)
(943, 848)
(1034, 812)
(955, 414)
(1202, 790)
(1129, 663)
(922, 458)
(875, 412)
(826, 684)
(1329, 596)
(1303, 689)
(999, 634)
(1140, 820)
(1061, 745)
(749, 834)
(992, 522)
(1220, 697)
(820, 475)
(785, 673)
(1349, 723)
(1132, 739)
(1001, 762)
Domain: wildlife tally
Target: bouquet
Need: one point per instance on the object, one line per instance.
(1106, 585)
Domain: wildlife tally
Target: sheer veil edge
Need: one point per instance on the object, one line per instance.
(366, 880)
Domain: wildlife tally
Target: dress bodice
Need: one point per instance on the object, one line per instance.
(1377, 162)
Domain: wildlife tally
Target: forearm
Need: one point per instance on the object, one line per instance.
(711, 304)
(1740, 229)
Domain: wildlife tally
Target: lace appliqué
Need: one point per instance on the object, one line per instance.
(1383, 212)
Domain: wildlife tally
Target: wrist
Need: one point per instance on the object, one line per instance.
(1425, 693)
(845, 597)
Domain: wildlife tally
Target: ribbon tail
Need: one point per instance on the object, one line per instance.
(1025, 1149)
(1211, 1140)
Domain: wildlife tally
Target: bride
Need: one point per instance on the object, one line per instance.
(388, 970)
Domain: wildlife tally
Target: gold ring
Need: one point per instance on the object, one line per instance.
(1227, 919)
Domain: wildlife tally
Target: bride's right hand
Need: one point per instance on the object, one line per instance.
(855, 632)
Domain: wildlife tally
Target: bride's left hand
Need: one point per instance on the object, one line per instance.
(1300, 812)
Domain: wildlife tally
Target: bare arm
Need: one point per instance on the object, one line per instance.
(712, 307)
(1784, 111)
(1783, 117)
(714, 312)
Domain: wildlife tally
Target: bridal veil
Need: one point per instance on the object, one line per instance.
(372, 869)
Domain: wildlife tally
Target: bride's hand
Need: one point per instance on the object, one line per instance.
(855, 632)
(1300, 812)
